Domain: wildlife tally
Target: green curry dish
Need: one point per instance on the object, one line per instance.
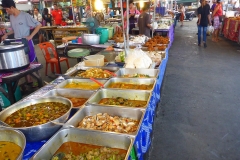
(37, 114)
(102, 153)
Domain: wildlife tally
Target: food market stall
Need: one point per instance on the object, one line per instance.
(140, 136)
(231, 28)
(123, 92)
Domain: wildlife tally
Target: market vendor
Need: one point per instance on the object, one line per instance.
(132, 19)
(57, 15)
(21, 23)
(144, 22)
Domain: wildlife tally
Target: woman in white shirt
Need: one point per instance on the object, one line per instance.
(38, 17)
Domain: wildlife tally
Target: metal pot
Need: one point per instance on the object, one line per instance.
(13, 57)
(90, 39)
(10, 135)
(39, 132)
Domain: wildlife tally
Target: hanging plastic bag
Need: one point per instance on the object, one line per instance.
(210, 30)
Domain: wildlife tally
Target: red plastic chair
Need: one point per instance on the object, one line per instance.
(50, 55)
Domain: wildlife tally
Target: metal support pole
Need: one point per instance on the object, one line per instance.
(124, 37)
(74, 18)
(127, 32)
(171, 5)
(90, 6)
(154, 15)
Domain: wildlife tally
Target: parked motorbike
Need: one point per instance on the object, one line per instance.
(188, 15)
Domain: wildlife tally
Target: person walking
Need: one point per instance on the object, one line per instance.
(182, 13)
(144, 22)
(217, 20)
(203, 21)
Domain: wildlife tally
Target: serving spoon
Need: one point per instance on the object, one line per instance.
(96, 81)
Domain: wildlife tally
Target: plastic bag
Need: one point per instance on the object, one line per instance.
(210, 30)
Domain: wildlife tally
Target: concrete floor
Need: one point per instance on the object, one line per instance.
(199, 115)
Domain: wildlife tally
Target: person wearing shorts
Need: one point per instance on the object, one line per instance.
(216, 20)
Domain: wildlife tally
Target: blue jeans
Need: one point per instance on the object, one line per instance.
(200, 28)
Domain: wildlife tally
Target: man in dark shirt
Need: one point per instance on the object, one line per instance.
(203, 21)
(144, 22)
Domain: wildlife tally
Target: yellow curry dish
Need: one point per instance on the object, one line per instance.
(83, 85)
(122, 85)
(9, 150)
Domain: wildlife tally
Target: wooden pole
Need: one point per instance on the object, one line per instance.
(124, 37)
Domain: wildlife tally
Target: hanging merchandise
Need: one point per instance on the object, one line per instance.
(78, 3)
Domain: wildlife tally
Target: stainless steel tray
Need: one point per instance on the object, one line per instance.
(83, 136)
(91, 110)
(131, 80)
(74, 73)
(111, 93)
(64, 83)
(153, 73)
(73, 93)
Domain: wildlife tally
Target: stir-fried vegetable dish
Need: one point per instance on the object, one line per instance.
(9, 150)
(122, 85)
(137, 75)
(80, 151)
(83, 85)
(77, 101)
(119, 101)
(94, 73)
(37, 114)
(105, 122)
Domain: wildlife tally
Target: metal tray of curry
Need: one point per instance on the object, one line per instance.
(137, 73)
(131, 83)
(120, 98)
(122, 120)
(94, 72)
(77, 97)
(83, 84)
(81, 140)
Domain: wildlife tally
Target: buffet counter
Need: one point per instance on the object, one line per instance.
(231, 28)
(141, 137)
(142, 140)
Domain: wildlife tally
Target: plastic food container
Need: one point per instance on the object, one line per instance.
(94, 60)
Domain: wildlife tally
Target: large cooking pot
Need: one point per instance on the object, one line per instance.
(39, 132)
(15, 136)
(90, 39)
(14, 55)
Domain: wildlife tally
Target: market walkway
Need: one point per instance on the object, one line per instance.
(199, 114)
